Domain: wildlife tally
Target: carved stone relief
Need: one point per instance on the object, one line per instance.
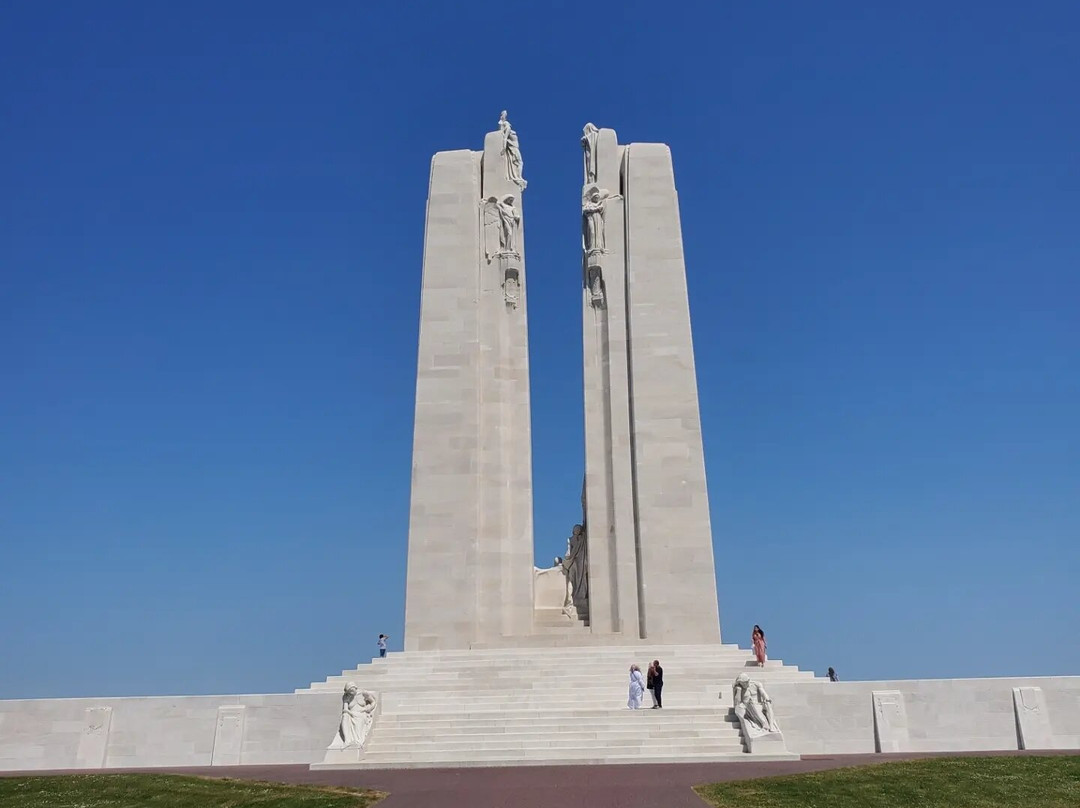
(576, 566)
(588, 145)
(753, 707)
(595, 281)
(357, 718)
(511, 149)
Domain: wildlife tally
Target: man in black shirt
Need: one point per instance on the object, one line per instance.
(658, 683)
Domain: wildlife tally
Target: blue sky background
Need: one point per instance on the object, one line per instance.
(211, 222)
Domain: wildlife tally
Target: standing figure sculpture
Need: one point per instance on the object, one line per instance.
(575, 565)
(569, 610)
(357, 717)
(592, 214)
(753, 707)
(512, 150)
(588, 145)
(509, 220)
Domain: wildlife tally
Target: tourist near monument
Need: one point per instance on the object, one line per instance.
(506, 663)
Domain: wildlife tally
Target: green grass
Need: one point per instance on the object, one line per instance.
(171, 791)
(980, 782)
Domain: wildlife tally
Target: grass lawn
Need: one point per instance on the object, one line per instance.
(980, 782)
(171, 791)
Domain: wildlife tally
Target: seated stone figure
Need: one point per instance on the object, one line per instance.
(357, 717)
(753, 707)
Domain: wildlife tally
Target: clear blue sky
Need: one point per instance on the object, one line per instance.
(211, 222)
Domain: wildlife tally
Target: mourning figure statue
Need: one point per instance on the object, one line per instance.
(512, 151)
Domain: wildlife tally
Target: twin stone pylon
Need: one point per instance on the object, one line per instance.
(646, 572)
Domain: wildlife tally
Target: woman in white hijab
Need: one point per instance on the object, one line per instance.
(637, 688)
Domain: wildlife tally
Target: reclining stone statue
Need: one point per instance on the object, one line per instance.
(753, 709)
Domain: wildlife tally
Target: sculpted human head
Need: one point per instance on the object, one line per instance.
(742, 679)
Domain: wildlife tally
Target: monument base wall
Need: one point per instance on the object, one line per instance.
(544, 706)
(109, 733)
(924, 715)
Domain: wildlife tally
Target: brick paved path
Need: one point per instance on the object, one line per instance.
(627, 786)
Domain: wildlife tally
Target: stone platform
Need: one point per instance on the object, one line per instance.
(563, 704)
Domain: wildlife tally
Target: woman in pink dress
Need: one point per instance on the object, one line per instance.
(758, 640)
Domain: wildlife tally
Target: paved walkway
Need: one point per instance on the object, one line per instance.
(628, 786)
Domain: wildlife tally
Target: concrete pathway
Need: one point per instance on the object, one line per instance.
(628, 786)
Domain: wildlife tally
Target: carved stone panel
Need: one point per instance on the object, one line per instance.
(94, 742)
(890, 721)
(501, 222)
(594, 281)
(1032, 720)
(228, 736)
(511, 283)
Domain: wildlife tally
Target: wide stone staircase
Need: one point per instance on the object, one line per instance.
(554, 704)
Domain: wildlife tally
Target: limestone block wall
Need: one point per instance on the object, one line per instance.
(651, 572)
(443, 516)
(140, 732)
(674, 532)
(470, 522)
(922, 715)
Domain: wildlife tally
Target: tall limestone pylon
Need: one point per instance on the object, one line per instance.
(650, 553)
(470, 561)
(642, 568)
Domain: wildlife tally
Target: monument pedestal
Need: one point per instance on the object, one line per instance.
(340, 758)
(771, 743)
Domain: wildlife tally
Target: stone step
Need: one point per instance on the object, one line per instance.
(550, 687)
(569, 629)
(571, 714)
(557, 618)
(564, 713)
(711, 668)
(604, 646)
(585, 730)
(491, 722)
(546, 693)
(714, 674)
(642, 648)
(476, 749)
(553, 659)
(727, 735)
(564, 757)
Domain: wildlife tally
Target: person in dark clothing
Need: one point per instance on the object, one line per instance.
(832, 676)
(658, 684)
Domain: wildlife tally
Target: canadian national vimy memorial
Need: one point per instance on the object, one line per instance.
(509, 664)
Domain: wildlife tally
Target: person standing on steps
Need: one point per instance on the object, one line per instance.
(658, 684)
(757, 638)
(649, 679)
(637, 688)
(832, 676)
(382, 645)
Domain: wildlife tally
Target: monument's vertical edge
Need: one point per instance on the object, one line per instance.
(442, 559)
(673, 525)
(613, 601)
(506, 532)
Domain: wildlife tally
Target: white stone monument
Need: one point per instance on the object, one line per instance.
(543, 644)
(651, 572)
(470, 562)
(646, 571)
